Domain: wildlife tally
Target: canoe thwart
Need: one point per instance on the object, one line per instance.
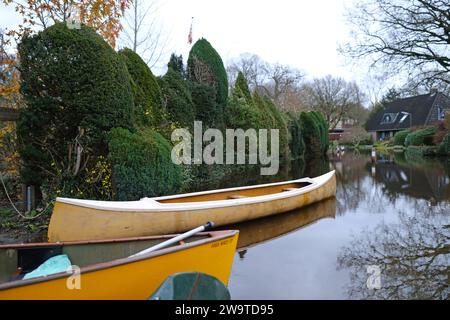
(289, 189)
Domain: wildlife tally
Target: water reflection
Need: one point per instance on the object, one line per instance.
(412, 254)
(258, 231)
(352, 182)
(391, 211)
(428, 181)
(412, 251)
(385, 180)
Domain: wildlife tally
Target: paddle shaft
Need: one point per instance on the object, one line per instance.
(175, 239)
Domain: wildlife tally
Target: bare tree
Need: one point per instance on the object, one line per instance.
(405, 36)
(279, 82)
(143, 32)
(282, 79)
(251, 66)
(335, 98)
(413, 257)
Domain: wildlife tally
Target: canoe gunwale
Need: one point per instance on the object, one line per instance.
(152, 204)
(213, 237)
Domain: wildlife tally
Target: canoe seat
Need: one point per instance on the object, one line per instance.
(289, 189)
(236, 196)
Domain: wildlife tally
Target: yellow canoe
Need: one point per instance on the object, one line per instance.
(75, 219)
(106, 270)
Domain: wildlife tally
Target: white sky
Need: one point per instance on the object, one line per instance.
(301, 33)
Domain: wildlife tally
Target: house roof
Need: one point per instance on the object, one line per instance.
(418, 106)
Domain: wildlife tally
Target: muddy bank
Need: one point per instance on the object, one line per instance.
(15, 229)
(22, 236)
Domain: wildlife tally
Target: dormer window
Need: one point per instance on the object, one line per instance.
(389, 118)
(403, 118)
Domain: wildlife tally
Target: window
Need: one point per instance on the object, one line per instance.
(403, 118)
(441, 113)
(389, 118)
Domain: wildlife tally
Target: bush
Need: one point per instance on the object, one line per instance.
(441, 132)
(206, 107)
(421, 137)
(205, 66)
(323, 127)
(147, 94)
(176, 64)
(296, 143)
(315, 134)
(447, 121)
(444, 146)
(241, 111)
(244, 91)
(399, 137)
(178, 99)
(240, 114)
(141, 165)
(272, 114)
(356, 136)
(77, 88)
(416, 152)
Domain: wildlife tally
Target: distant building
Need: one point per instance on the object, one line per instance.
(341, 127)
(409, 112)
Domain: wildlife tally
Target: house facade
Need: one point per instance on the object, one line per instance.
(409, 112)
(341, 127)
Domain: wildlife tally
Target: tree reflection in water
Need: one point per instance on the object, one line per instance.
(413, 255)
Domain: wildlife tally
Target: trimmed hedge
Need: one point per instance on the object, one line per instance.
(176, 64)
(323, 128)
(206, 66)
(296, 143)
(147, 93)
(315, 134)
(400, 137)
(178, 99)
(76, 89)
(142, 165)
(240, 114)
(241, 111)
(416, 152)
(242, 84)
(279, 122)
(421, 137)
(207, 109)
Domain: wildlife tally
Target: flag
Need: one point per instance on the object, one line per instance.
(123, 5)
(190, 32)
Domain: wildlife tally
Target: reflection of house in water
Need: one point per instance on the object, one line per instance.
(432, 185)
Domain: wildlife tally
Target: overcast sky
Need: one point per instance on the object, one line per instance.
(301, 33)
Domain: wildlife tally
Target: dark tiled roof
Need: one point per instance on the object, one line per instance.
(418, 106)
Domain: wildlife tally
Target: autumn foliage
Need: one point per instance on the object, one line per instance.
(101, 15)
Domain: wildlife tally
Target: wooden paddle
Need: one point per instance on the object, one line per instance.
(178, 238)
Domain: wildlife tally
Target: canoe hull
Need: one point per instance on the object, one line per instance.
(136, 279)
(70, 222)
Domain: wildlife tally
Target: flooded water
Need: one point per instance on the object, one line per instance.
(385, 236)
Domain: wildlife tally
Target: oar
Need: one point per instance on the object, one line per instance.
(180, 237)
